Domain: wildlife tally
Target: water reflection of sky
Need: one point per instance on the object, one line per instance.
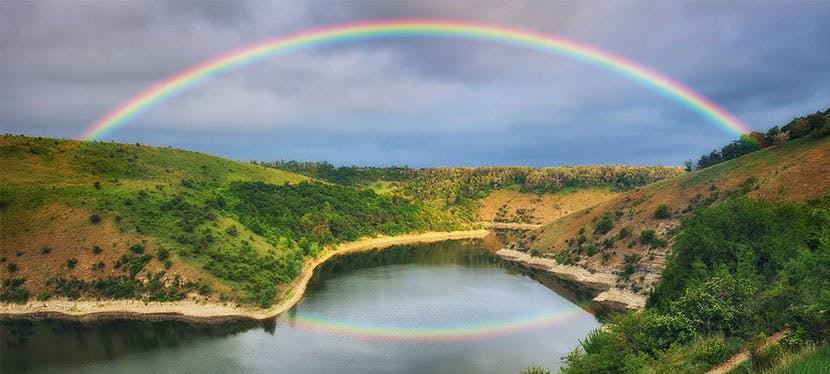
(421, 291)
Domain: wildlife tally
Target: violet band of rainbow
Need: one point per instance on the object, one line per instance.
(468, 331)
(390, 28)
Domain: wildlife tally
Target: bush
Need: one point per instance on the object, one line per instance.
(71, 262)
(45, 250)
(662, 212)
(647, 237)
(535, 370)
(12, 267)
(137, 248)
(764, 358)
(624, 233)
(162, 254)
(605, 224)
(95, 218)
(13, 291)
(96, 249)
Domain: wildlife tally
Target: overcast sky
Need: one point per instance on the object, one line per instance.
(416, 102)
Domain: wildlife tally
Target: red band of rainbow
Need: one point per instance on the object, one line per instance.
(414, 27)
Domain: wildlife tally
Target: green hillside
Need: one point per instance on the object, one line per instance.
(726, 256)
(108, 220)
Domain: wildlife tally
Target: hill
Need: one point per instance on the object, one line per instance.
(629, 235)
(89, 220)
(493, 194)
(712, 262)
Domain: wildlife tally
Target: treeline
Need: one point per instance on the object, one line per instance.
(456, 189)
(460, 187)
(816, 125)
(344, 175)
(738, 271)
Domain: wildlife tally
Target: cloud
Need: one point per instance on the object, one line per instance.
(421, 102)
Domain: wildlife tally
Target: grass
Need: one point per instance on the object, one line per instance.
(70, 195)
(809, 360)
(795, 171)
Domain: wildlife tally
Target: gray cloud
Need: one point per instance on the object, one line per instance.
(412, 101)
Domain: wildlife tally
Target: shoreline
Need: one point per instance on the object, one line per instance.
(604, 283)
(87, 310)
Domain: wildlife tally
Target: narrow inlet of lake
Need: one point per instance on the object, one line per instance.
(448, 307)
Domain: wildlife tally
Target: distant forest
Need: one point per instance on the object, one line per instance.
(816, 125)
(458, 188)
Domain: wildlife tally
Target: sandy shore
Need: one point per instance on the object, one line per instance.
(191, 310)
(605, 283)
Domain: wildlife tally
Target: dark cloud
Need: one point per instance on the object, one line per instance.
(415, 101)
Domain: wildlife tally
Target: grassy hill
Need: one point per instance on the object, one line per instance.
(107, 220)
(627, 235)
(726, 255)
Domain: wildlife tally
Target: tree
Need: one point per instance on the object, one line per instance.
(662, 212)
(687, 165)
(720, 303)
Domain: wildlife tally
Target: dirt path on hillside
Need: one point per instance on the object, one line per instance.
(207, 311)
(510, 225)
(742, 356)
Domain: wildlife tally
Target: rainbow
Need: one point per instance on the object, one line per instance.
(412, 28)
(470, 331)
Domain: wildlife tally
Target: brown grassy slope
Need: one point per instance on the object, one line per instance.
(796, 171)
(513, 206)
(48, 194)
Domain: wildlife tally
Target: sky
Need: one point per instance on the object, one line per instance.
(419, 102)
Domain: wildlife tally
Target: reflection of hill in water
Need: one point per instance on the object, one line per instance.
(468, 253)
(75, 342)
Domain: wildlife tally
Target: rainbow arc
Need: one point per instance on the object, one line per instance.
(413, 28)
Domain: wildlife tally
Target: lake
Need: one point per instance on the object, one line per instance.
(449, 307)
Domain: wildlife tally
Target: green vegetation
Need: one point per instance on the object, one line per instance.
(458, 189)
(737, 269)
(309, 213)
(13, 291)
(246, 228)
(604, 224)
(535, 370)
(809, 360)
(816, 125)
(662, 212)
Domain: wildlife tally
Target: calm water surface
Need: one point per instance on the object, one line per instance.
(447, 307)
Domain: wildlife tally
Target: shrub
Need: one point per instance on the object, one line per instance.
(605, 224)
(12, 267)
(95, 218)
(137, 248)
(662, 212)
(719, 303)
(232, 231)
(624, 233)
(45, 250)
(765, 358)
(647, 237)
(71, 262)
(13, 291)
(162, 254)
(535, 370)
(96, 249)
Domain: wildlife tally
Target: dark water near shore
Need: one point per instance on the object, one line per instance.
(443, 307)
